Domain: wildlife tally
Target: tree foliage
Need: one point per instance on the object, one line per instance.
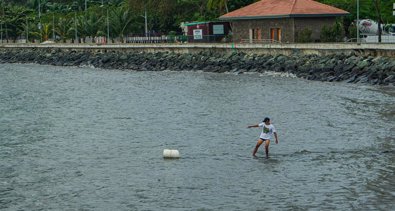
(367, 8)
(333, 33)
(20, 18)
(304, 36)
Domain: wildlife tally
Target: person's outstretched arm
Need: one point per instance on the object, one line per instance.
(250, 126)
(275, 136)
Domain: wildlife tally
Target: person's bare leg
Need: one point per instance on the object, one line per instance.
(267, 143)
(257, 146)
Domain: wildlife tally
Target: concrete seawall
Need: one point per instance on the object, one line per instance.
(371, 64)
(321, 49)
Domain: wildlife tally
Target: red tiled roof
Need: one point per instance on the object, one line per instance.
(284, 8)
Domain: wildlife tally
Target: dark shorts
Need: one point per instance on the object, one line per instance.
(263, 139)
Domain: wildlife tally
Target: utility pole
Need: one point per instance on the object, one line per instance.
(86, 16)
(145, 16)
(358, 39)
(53, 26)
(108, 27)
(75, 27)
(39, 19)
(6, 32)
(27, 30)
(3, 5)
(1, 27)
(146, 21)
(39, 10)
(5, 24)
(107, 21)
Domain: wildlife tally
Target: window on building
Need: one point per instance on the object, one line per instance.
(255, 35)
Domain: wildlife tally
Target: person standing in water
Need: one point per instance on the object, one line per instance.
(267, 131)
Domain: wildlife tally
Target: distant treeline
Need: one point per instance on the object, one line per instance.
(69, 19)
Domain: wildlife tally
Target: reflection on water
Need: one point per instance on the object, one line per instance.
(90, 139)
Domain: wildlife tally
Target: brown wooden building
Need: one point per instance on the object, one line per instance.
(281, 20)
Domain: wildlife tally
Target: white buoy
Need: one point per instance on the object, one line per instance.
(171, 153)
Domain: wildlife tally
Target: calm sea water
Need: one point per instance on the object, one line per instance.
(92, 139)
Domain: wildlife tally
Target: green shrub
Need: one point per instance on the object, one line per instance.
(172, 36)
(334, 33)
(100, 34)
(172, 33)
(352, 30)
(304, 36)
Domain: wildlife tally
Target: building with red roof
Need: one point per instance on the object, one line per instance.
(281, 20)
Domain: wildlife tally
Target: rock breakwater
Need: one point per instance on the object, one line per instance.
(337, 67)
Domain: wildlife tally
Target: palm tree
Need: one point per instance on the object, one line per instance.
(26, 28)
(377, 6)
(91, 24)
(46, 31)
(121, 19)
(14, 18)
(62, 28)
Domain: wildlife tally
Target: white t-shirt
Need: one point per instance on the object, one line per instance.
(267, 131)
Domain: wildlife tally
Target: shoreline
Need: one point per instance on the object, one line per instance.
(336, 67)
